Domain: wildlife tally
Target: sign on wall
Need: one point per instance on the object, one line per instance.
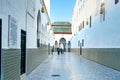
(12, 32)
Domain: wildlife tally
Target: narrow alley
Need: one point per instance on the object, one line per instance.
(85, 32)
(69, 66)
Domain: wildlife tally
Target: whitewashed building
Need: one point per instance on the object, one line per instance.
(95, 28)
(25, 37)
(62, 34)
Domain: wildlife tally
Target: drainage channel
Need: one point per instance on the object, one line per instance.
(55, 75)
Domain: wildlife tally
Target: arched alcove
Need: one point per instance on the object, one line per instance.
(38, 28)
(63, 41)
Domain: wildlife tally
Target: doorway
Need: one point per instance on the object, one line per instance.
(0, 44)
(63, 41)
(69, 46)
(23, 52)
(80, 49)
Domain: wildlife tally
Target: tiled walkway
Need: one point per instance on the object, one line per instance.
(72, 67)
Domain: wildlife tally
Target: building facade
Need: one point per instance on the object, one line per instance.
(95, 26)
(25, 37)
(62, 33)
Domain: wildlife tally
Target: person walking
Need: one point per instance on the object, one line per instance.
(62, 49)
(58, 50)
(52, 50)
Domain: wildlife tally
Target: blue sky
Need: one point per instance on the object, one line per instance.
(61, 10)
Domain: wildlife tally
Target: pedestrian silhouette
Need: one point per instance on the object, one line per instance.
(52, 50)
(58, 50)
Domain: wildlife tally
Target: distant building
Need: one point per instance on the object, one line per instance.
(95, 28)
(62, 32)
(61, 28)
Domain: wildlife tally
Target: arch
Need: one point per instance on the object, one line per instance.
(63, 41)
(38, 28)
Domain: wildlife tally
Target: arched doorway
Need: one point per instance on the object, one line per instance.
(63, 41)
(38, 28)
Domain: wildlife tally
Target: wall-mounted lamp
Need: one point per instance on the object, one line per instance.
(102, 8)
(51, 28)
(42, 9)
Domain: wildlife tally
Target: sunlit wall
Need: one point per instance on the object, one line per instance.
(96, 23)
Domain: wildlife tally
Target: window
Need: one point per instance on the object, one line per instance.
(78, 43)
(116, 1)
(83, 24)
(82, 42)
(90, 21)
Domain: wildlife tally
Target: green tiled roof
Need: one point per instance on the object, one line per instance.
(62, 29)
(61, 24)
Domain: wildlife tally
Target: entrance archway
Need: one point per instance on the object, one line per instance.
(63, 41)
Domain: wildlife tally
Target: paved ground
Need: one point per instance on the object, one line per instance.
(72, 67)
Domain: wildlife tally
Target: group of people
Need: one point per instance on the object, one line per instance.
(60, 49)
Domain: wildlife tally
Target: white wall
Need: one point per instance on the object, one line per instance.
(17, 11)
(102, 34)
(32, 26)
(59, 36)
(26, 17)
(31, 33)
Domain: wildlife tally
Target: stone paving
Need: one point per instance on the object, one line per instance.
(69, 66)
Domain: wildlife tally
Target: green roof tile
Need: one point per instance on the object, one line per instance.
(61, 24)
